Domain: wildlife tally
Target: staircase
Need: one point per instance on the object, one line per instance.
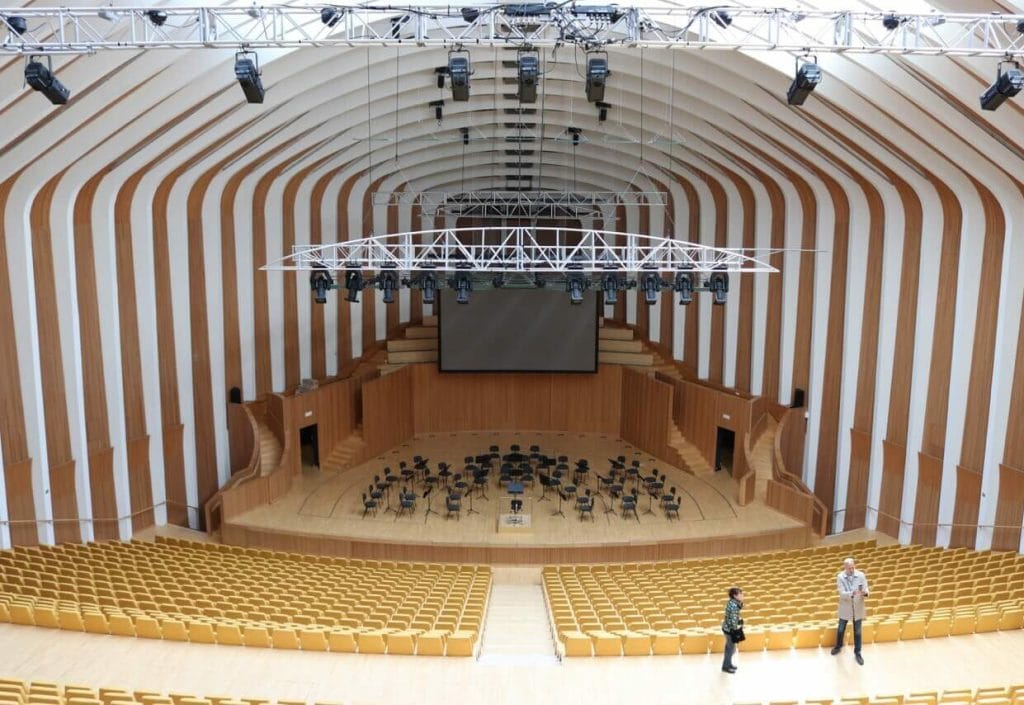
(345, 454)
(270, 449)
(693, 460)
(517, 629)
(761, 457)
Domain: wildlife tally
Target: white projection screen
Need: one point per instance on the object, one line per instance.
(518, 330)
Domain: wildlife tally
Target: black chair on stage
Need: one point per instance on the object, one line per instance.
(369, 505)
(605, 482)
(460, 485)
(525, 474)
(480, 483)
(629, 506)
(545, 483)
(494, 449)
(570, 492)
(581, 472)
(405, 471)
(514, 447)
(563, 459)
(585, 505)
(406, 503)
(654, 488)
(672, 506)
(375, 494)
(535, 449)
(444, 472)
(454, 506)
(429, 481)
(668, 496)
(505, 476)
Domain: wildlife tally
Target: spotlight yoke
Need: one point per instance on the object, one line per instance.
(40, 77)
(808, 76)
(1009, 82)
(247, 71)
(597, 75)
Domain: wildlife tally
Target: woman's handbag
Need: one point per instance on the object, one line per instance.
(737, 635)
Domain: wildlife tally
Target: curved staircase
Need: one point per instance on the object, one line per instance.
(270, 448)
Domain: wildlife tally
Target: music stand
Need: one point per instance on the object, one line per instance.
(428, 495)
(559, 512)
(471, 510)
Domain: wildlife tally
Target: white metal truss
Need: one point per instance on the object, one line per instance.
(519, 204)
(523, 249)
(56, 30)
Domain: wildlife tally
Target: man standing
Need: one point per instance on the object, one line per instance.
(853, 588)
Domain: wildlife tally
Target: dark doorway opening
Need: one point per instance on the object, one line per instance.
(309, 446)
(724, 449)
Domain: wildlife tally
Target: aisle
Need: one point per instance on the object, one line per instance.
(517, 629)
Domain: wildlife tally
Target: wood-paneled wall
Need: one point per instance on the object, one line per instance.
(646, 412)
(388, 410)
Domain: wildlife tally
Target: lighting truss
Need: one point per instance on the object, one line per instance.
(520, 204)
(522, 249)
(63, 30)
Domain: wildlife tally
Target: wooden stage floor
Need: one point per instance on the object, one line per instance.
(330, 506)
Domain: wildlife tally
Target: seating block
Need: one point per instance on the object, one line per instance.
(460, 643)
(371, 642)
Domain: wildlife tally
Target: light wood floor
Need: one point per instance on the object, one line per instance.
(331, 503)
(946, 663)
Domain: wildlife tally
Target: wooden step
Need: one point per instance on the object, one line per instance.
(615, 333)
(388, 369)
(407, 344)
(626, 346)
(429, 321)
(397, 358)
(421, 332)
(621, 358)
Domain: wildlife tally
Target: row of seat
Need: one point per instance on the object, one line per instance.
(14, 691)
(999, 695)
(208, 593)
(677, 606)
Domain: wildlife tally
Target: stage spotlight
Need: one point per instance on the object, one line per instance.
(247, 71)
(891, 21)
(320, 281)
(602, 110)
(387, 282)
(331, 16)
(684, 287)
(462, 283)
(458, 70)
(609, 13)
(576, 284)
(808, 76)
(597, 75)
(1020, 26)
(354, 284)
(718, 285)
(575, 132)
(722, 18)
(1008, 84)
(428, 285)
(469, 14)
(651, 285)
(157, 17)
(18, 25)
(610, 285)
(529, 73)
(438, 106)
(40, 77)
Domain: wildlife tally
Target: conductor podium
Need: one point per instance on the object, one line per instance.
(515, 514)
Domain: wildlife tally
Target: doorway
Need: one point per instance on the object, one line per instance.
(724, 449)
(309, 447)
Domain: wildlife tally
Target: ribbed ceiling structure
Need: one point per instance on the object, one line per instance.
(135, 218)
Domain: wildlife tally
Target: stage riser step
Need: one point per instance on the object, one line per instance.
(397, 358)
(615, 333)
(407, 344)
(626, 346)
(421, 332)
(616, 358)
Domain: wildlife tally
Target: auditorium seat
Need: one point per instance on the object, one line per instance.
(210, 593)
(973, 591)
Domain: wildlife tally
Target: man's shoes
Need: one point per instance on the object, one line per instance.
(836, 650)
(860, 659)
(728, 669)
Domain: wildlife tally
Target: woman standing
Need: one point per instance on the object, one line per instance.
(732, 626)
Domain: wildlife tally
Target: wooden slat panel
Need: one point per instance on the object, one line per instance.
(890, 504)
(64, 502)
(926, 508)
(140, 485)
(12, 415)
(857, 488)
(20, 506)
(646, 412)
(174, 475)
(717, 352)
(128, 312)
(388, 411)
(101, 490)
(965, 512)
(1013, 453)
(1010, 509)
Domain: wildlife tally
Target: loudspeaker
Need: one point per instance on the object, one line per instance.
(235, 395)
(798, 398)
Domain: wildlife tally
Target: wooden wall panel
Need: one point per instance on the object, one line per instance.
(1010, 509)
(174, 475)
(140, 485)
(717, 336)
(646, 412)
(965, 511)
(12, 416)
(128, 313)
(101, 490)
(20, 506)
(890, 505)
(63, 499)
(388, 411)
(926, 508)
(857, 488)
(229, 280)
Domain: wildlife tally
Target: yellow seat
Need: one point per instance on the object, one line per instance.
(664, 643)
(430, 643)
(605, 643)
(695, 642)
(808, 637)
(888, 630)
(371, 642)
(229, 635)
(577, 644)
(121, 625)
(95, 623)
(403, 643)
(313, 640)
(780, 638)
(201, 633)
(1011, 619)
(70, 620)
(173, 630)
(341, 641)
(148, 628)
(913, 628)
(938, 626)
(257, 636)
(45, 617)
(21, 614)
(987, 621)
(635, 643)
(459, 643)
(284, 639)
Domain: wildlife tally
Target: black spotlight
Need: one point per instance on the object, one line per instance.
(597, 75)
(610, 285)
(18, 25)
(891, 21)
(320, 281)
(388, 283)
(441, 72)
(157, 17)
(1020, 26)
(465, 135)
(462, 283)
(458, 70)
(247, 71)
(41, 78)
(808, 76)
(576, 284)
(438, 106)
(1008, 83)
(602, 110)
(470, 14)
(651, 285)
(428, 285)
(718, 285)
(722, 18)
(529, 74)
(331, 16)
(684, 287)
(354, 284)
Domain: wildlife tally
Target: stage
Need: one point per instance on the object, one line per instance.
(323, 512)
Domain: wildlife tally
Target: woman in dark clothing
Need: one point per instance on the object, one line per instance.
(730, 625)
